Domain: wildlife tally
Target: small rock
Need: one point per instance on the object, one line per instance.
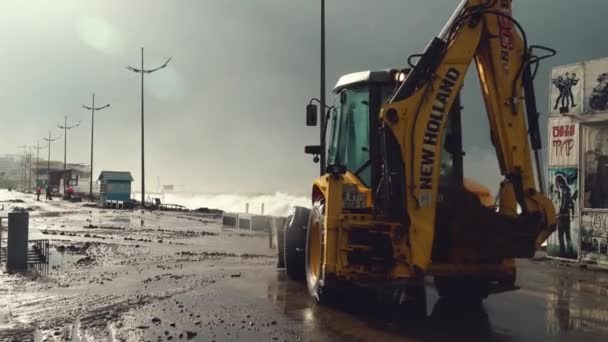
(197, 323)
(237, 275)
(190, 334)
(172, 324)
(155, 320)
(166, 332)
(181, 335)
(273, 323)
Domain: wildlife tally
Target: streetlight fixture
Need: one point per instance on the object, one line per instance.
(65, 128)
(92, 108)
(143, 71)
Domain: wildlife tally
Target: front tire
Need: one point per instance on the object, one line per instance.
(281, 243)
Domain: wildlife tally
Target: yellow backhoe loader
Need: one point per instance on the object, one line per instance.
(392, 205)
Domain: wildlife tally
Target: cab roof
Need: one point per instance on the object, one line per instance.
(367, 77)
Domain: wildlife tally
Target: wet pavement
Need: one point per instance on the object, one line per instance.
(180, 277)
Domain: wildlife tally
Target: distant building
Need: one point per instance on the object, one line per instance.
(114, 186)
(8, 163)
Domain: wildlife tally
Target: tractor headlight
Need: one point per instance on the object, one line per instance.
(352, 198)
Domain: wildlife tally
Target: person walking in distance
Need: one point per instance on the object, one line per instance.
(48, 192)
(38, 192)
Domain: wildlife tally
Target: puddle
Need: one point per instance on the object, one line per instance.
(123, 220)
(61, 257)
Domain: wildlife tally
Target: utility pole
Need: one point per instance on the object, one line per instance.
(92, 108)
(65, 128)
(23, 165)
(49, 140)
(29, 179)
(38, 148)
(143, 71)
(322, 97)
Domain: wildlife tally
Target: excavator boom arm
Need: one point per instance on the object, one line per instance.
(484, 32)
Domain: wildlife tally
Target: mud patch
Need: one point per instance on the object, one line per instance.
(90, 226)
(75, 248)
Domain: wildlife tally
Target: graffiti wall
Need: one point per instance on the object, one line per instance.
(563, 141)
(563, 189)
(594, 238)
(594, 223)
(567, 89)
(578, 161)
(595, 181)
(563, 183)
(596, 87)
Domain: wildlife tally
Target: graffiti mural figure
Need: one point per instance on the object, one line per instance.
(565, 214)
(564, 84)
(599, 97)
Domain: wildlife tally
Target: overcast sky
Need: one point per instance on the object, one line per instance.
(227, 115)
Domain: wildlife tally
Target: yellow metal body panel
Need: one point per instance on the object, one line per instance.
(342, 223)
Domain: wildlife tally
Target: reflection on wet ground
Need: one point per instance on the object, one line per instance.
(362, 317)
(519, 316)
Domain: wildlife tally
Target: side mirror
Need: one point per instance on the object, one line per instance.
(312, 149)
(315, 150)
(311, 115)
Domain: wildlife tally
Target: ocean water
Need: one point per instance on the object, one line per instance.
(276, 204)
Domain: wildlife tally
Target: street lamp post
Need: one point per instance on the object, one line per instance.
(29, 178)
(65, 128)
(38, 148)
(92, 108)
(322, 97)
(49, 140)
(23, 166)
(143, 71)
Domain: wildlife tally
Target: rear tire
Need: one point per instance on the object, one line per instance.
(281, 244)
(468, 290)
(294, 243)
(318, 287)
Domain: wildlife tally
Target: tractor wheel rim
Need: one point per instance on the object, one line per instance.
(314, 252)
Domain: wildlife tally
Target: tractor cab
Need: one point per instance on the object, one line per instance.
(352, 131)
(351, 125)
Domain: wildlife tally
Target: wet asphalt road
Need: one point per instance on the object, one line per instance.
(557, 303)
(178, 277)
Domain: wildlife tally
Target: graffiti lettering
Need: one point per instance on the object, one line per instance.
(563, 148)
(599, 222)
(564, 131)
